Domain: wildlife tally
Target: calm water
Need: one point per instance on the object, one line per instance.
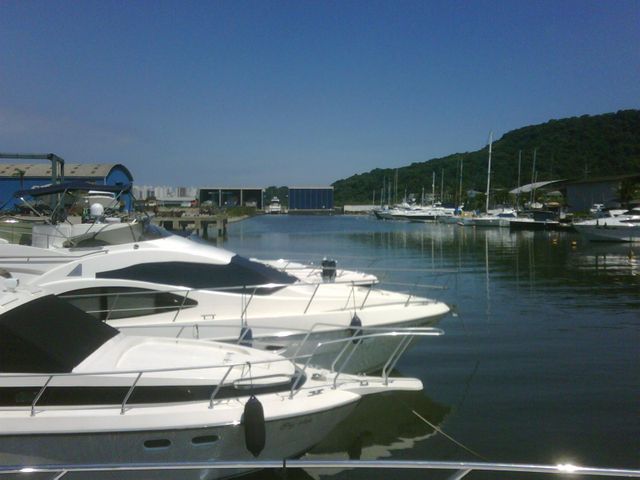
(540, 362)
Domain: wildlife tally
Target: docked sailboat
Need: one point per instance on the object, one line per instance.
(499, 217)
(74, 390)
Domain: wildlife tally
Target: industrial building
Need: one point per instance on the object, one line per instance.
(231, 197)
(20, 176)
(310, 199)
(581, 195)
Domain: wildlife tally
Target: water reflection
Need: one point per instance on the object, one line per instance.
(380, 425)
(548, 331)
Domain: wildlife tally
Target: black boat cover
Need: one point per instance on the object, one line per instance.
(48, 335)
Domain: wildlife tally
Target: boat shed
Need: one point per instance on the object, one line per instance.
(581, 195)
(231, 197)
(310, 199)
(21, 176)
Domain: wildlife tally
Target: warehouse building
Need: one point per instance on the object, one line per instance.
(231, 197)
(20, 176)
(310, 199)
(581, 195)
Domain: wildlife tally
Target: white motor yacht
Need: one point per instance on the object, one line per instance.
(54, 228)
(619, 228)
(274, 207)
(171, 286)
(74, 390)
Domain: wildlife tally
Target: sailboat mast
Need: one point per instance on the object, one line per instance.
(486, 208)
(433, 188)
(533, 175)
(442, 185)
(518, 194)
(461, 165)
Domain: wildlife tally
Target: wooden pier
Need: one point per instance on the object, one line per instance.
(201, 224)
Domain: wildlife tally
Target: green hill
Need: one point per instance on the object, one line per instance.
(573, 148)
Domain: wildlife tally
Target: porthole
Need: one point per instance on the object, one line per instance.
(204, 440)
(157, 443)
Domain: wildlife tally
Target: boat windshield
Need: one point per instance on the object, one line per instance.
(48, 335)
(239, 273)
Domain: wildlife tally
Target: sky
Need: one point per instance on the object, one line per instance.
(300, 93)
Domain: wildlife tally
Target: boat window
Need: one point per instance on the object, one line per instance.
(112, 303)
(48, 335)
(157, 443)
(205, 440)
(239, 272)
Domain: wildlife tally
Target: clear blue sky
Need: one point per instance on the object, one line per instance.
(259, 93)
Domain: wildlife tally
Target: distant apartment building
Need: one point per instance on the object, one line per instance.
(166, 195)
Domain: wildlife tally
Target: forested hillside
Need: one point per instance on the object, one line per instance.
(571, 148)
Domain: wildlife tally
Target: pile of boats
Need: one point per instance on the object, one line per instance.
(121, 343)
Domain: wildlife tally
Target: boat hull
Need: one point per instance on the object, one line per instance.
(491, 222)
(285, 438)
(609, 233)
(523, 224)
(305, 334)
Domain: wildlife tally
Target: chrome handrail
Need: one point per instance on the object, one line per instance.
(133, 386)
(320, 345)
(35, 400)
(186, 292)
(138, 373)
(395, 465)
(312, 297)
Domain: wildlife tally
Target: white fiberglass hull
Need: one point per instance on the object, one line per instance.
(285, 438)
(300, 334)
(603, 232)
(184, 432)
(486, 222)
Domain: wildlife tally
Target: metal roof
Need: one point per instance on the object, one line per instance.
(84, 170)
(533, 186)
(70, 186)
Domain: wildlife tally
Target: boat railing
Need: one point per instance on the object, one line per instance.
(457, 470)
(246, 374)
(18, 259)
(248, 294)
(353, 342)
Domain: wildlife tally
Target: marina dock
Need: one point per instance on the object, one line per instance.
(203, 225)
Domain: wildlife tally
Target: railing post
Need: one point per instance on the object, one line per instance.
(219, 386)
(35, 400)
(184, 300)
(243, 315)
(109, 310)
(459, 474)
(344, 365)
(312, 297)
(366, 296)
(351, 292)
(126, 398)
(394, 357)
(60, 475)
